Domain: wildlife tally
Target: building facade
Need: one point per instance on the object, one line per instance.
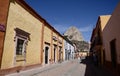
(52, 45)
(26, 39)
(69, 50)
(20, 38)
(97, 48)
(111, 41)
(105, 41)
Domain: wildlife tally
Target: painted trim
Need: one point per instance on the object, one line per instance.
(1, 46)
(42, 43)
(5, 24)
(57, 49)
(51, 46)
(18, 69)
(23, 49)
(23, 35)
(62, 49)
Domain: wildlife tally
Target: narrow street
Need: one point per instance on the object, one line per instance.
(67, 68)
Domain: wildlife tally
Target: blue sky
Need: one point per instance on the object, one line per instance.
(83, 14)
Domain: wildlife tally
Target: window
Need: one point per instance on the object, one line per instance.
(21, 39)
(20, 46)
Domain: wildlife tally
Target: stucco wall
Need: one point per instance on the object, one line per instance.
(64, 49)
(20, 18)
(54, 45)
(61, 44)
(47, 42)
(112, 31)
(47, 34)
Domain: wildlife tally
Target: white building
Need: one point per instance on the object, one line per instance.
(68, 50)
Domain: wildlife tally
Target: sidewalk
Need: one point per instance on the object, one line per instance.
(67, 68)
(42, 69)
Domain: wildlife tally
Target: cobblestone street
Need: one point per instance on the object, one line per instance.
(67, 68)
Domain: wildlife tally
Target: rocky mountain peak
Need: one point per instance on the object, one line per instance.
(74, 34)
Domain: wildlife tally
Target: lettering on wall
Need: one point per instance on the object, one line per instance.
(2, 28)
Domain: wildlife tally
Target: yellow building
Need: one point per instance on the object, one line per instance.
(52, 45)
(23, 37)
(29, 40)
(97, 38)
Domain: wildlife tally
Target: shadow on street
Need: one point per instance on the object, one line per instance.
(94, 70)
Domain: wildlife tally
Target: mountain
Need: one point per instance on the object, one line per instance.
(74, 34)
(81, 45)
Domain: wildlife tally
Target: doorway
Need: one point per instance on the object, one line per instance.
(54, 54)
(113, 52)
(46, 55)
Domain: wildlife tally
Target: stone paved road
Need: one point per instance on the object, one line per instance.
(68, 68)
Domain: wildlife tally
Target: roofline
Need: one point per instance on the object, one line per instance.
(104, 15)
(98, 21)
(36, 15)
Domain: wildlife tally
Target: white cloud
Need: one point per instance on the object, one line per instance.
(61, 28)
(86, 29)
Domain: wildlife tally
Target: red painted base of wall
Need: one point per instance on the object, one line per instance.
(17, 69)
(1, 45)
